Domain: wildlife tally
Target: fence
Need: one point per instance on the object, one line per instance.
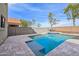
(73, 30)
(28, 30)
(20, 31)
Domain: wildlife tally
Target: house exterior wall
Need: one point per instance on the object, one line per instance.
(3, 31)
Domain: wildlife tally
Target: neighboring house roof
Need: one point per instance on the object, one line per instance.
(14, 21)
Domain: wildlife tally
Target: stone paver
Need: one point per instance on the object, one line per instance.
(16, 45)
(65, 49)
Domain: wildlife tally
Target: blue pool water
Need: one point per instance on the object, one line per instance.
(42, 44)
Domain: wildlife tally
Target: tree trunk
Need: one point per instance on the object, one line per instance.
(51, 28)
(74, 22)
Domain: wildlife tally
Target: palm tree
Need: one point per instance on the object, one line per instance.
(72, 12)
(52, 19)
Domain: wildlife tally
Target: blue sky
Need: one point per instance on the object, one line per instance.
(39, 12)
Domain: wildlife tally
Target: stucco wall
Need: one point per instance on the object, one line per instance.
(3, 31)
(69, 29)
(41, 30)
(12, 31)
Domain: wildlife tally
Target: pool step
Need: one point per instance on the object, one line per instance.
(36, 48)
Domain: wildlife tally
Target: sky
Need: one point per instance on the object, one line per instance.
(39, 12)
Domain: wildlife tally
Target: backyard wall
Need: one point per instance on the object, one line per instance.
(69, 29)
(41, 30)
(12, 31)
(3, 31)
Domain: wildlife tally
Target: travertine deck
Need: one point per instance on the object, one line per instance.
(16, 45)
(65, 49)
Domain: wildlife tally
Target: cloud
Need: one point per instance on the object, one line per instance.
(22, 7)
(26, 6)
(29, 7)
(14, 7)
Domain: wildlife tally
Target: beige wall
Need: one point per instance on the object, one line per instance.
(67, 29)
(41, 30)
(3, 31)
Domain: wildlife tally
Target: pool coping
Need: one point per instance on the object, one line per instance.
(70, 34)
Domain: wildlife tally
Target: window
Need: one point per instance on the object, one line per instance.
(2, 21)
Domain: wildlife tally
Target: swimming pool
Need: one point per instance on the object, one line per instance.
(42, 44)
